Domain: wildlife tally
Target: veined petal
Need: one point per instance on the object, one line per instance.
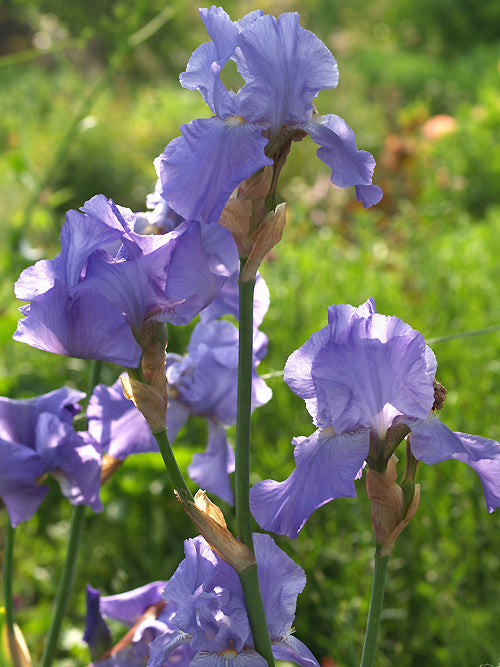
(168, 644)
(210, 469)
(327, 465)
(349, 166)
(200, 169)
(285, 67)
(228, 658)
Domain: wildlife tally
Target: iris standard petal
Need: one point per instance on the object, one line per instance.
(327, 465)
(285, 67)
(200, 169)
(128, 607)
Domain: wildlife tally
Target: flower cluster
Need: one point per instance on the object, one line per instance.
(367, 380)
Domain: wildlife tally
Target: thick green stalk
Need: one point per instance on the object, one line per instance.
(63, 593)
(242, 453)
(375, 612)
(178, 481)
(249, 578)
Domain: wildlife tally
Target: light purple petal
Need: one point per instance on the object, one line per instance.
(349, 166)
(285, 67)
(80, 324)
(210, 469)
(364, 374)
(18, 417)
(433, 442)
(327, 465)
(281, 580)
(200, 169)
(197, 567)
(19, 468)
(72, 458)
(128, 607)
(116, 424)
(247, 658)
(291, 649)
(171, 648)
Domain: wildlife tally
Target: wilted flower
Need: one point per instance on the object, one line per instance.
(284, 67)
(367, 380)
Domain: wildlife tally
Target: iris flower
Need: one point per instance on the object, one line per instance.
(93, 299)
(37, 437)
(367, 379)
(284, 67)
(210, 614)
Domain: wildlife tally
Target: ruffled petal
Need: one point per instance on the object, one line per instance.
(200, 169)
(349, 166)
(433, 442)
(285, 66)
(327, 465)
(246, 658)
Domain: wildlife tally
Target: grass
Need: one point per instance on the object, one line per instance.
(428, 253)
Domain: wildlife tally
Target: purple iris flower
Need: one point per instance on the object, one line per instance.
(36, 437)
(144, 612)
(211, 615)
(284, 67)
(92, 300)
(204, 383)
(363, 376)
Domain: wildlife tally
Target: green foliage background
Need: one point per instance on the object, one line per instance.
(88, 99)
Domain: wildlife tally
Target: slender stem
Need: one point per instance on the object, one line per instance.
(176, 477)
(63, 593)
(249, 578)
(375, 612)
(8, 562)
(245, 366)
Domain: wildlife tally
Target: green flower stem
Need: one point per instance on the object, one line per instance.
(63, 593)
(375, 612)
(249, 578)
(178, 481)
(68, 573)
(8, 562)
(242, 453)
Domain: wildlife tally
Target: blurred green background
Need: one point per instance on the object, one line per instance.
(89, 96)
